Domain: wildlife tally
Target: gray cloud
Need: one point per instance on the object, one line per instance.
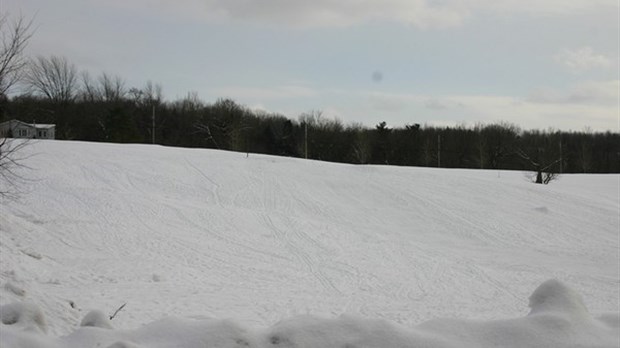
(344, 12)
(441, 104)
(267, 93)
(426, 14)
(582, 60)
(585, 93)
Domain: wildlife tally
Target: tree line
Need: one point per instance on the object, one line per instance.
(103, 108)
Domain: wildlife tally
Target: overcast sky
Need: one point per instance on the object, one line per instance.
(539, 64)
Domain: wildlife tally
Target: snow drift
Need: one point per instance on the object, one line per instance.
(298, 251)
(558, 318)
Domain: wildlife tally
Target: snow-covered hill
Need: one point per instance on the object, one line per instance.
(195, 233)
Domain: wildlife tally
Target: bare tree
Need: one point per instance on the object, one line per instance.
(53, 77)
(362, 147)
(153, 93)
(150, 95)
(112, 88)
(229, 122)
(11, 157)
(14, 36)
(89, 91)
(496, 143)
(106, 88)
(545, 172)
(204, 129)
(191, 103)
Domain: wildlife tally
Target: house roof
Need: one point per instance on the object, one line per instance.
(34, 125)
(44, 126)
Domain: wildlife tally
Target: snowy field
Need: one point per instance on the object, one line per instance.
(212, 249)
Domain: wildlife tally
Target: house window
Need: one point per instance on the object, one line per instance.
(23, 132)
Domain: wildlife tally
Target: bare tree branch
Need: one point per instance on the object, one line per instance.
(89, 91)
(203, 128)
(118, 310)
(544, 175)
(53, 77)
(112, 87)
(14, 36)
(11, 161)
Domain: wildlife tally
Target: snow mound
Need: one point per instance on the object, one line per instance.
(554, 296)
(123, 344)
(96, 318)
(26, 316)
(12, 288)
(349, 332)
(559, 319)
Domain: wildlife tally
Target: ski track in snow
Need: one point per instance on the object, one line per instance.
(211, 233)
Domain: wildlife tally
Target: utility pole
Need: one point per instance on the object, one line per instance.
(438, 150)
(153, 126)
(306, 138)
(561, 164)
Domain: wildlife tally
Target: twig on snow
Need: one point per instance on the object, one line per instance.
(118, 310)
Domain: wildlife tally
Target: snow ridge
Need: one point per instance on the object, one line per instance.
(559, 318)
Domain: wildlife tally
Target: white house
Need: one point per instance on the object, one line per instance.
(19, 129)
